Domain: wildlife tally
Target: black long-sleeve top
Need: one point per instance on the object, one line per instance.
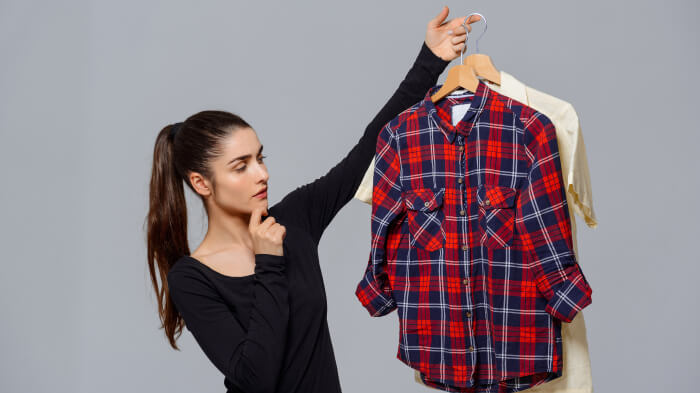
(267, 332)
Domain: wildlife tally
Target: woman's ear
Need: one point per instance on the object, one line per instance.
(201, 185)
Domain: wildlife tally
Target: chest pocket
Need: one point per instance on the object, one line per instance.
(425, 216)
(496, 215)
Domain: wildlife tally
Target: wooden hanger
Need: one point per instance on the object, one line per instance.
(458, 76)
(483, 67)
(461, 75)
(482, 64)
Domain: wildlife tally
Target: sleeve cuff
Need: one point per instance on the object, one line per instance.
(269, 262)
(431, 62)
(569, 296)
(376, 301)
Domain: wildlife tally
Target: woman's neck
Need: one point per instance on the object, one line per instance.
(225, 233)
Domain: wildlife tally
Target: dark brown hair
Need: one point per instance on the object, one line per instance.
(191, 149)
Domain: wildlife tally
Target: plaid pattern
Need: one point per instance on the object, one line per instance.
(471, 243)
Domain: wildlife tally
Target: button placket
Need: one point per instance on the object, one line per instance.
(462, 211)
(462, 187)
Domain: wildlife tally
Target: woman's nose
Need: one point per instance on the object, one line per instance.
(262, 172)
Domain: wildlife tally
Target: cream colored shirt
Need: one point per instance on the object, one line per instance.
(576, 376)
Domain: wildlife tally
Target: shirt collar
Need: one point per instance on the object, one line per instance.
(511, 87)
(479, 100)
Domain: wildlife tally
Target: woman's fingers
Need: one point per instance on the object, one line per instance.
(459, 39)
(472, 19)
(280, 232)
(446, 38)
(459, 30)
(457, 24)
(267, 224)
(255, 218)
(267, 235)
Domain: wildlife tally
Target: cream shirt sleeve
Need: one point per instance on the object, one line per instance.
(364, 191)
(572, 151)
(578, 181)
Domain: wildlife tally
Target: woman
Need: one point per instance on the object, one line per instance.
(252, 293)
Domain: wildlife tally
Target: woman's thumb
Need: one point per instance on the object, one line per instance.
(437, 21)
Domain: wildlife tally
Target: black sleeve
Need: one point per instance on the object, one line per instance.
(252, 359)
(313, 205)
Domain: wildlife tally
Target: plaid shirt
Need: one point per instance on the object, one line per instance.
(471, 242)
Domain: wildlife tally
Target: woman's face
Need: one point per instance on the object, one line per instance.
(240, 175)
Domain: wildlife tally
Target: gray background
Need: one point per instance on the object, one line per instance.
(85, 87)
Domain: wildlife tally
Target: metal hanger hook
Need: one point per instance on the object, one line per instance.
(483, 19)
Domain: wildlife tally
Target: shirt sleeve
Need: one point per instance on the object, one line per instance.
(250, 359)
(543, 222)
(374, 291)
(578, 178)
(313, 205)
(364, 191)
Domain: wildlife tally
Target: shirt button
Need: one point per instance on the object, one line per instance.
(469, 315)
(427, 204)
(465, 281)
(487, 202)
(462, 212)
(459, 180)
(461, 148)
(464, 247)
(471, 349)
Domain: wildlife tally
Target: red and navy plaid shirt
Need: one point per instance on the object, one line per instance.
(471, 243)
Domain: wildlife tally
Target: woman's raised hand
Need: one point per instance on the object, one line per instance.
(447, 39)
(267, 235)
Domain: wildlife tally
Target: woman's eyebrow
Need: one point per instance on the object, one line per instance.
(245, 157)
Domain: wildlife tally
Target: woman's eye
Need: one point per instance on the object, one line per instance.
(241, 169)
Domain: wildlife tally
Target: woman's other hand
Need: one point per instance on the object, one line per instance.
(447, 39)
(267, 235)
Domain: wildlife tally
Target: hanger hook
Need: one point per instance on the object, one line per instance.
(461, 55)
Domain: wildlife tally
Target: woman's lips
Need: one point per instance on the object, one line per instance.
(262, 195)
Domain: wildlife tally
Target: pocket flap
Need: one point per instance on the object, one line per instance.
(492, 196)
(423, 198)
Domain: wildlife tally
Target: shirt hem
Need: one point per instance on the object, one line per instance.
(552, 375)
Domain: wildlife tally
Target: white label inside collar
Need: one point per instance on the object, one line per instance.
(460, 92)
(458, 112)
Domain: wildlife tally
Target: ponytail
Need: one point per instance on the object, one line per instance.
(197, 141)
(167, 230)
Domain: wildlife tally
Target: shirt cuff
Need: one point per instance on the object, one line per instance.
(567, 297)
(375, 300)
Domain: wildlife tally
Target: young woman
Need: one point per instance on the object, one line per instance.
(252, 293)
